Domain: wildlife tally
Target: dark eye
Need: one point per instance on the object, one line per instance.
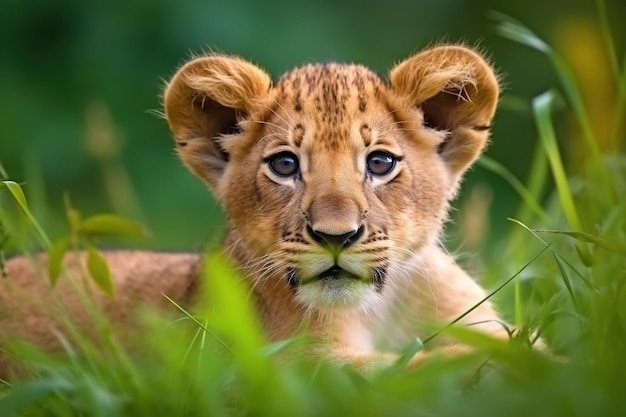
(283, 164)
(380, 163)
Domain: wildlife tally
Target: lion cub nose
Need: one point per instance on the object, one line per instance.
(340, 240)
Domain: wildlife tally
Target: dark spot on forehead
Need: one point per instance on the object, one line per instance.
(366, 134)
(331, 138)
(359, 83)
(298, 135)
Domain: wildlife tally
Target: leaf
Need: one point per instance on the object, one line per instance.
(408, 353)
(27, 393)
(587, 258)
(611, 245)
(517, 32)
(542, 109)
(20, 199)
(276, 347)
(566, 280)
(111, 224)
(503, 350)
(56, 254)
(99, 271)
(17, 193)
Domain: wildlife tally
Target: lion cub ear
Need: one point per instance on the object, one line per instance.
(457, 91)
(205, 100)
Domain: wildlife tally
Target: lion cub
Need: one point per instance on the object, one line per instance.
(336, 185)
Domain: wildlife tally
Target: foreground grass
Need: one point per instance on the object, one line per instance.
(565, 266)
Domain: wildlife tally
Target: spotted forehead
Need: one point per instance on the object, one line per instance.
(329, 91)
(329, 99)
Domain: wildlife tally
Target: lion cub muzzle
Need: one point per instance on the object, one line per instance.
(332, 272)
(335, 220)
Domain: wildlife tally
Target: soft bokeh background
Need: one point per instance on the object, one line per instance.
(80, 83)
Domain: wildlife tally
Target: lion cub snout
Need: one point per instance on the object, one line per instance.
(335, 219)
(336, 240)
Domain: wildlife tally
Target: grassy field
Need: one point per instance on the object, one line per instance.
(561, 275)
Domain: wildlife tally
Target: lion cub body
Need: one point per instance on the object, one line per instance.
(336, 185)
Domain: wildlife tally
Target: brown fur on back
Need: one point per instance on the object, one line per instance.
(31, 310)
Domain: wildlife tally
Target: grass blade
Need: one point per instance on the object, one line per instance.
(559, 257)
(200, 325)
(542, 109)
(527, 196)
(29, 393)
(408, 353)
(487, 297)
(566, 280)
(3, 172)
(20, 199)
(515, 31)
(614, 246)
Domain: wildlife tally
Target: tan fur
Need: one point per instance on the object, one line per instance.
(392, 281)
(33, 311)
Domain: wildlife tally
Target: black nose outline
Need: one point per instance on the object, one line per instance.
(341, 241)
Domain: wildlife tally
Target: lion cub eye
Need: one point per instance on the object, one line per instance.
(380, 163)
(283, 164)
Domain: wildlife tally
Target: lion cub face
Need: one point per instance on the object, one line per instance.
(333, 178)
(345, 188)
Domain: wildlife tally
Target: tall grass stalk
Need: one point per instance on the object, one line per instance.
(517, 32)
(620, 75)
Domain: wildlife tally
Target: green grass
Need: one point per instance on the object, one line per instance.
(564, 266)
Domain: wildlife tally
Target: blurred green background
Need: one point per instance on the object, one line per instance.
(80, 82)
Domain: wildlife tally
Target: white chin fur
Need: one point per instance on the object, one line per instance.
(337, 293)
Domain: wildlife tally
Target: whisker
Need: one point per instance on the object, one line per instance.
(265, 122)
(289, 123)
(292, 122)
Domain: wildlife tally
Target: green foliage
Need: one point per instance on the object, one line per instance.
(83, 233)
(564, 257)
(99, 270)
(18, 195)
